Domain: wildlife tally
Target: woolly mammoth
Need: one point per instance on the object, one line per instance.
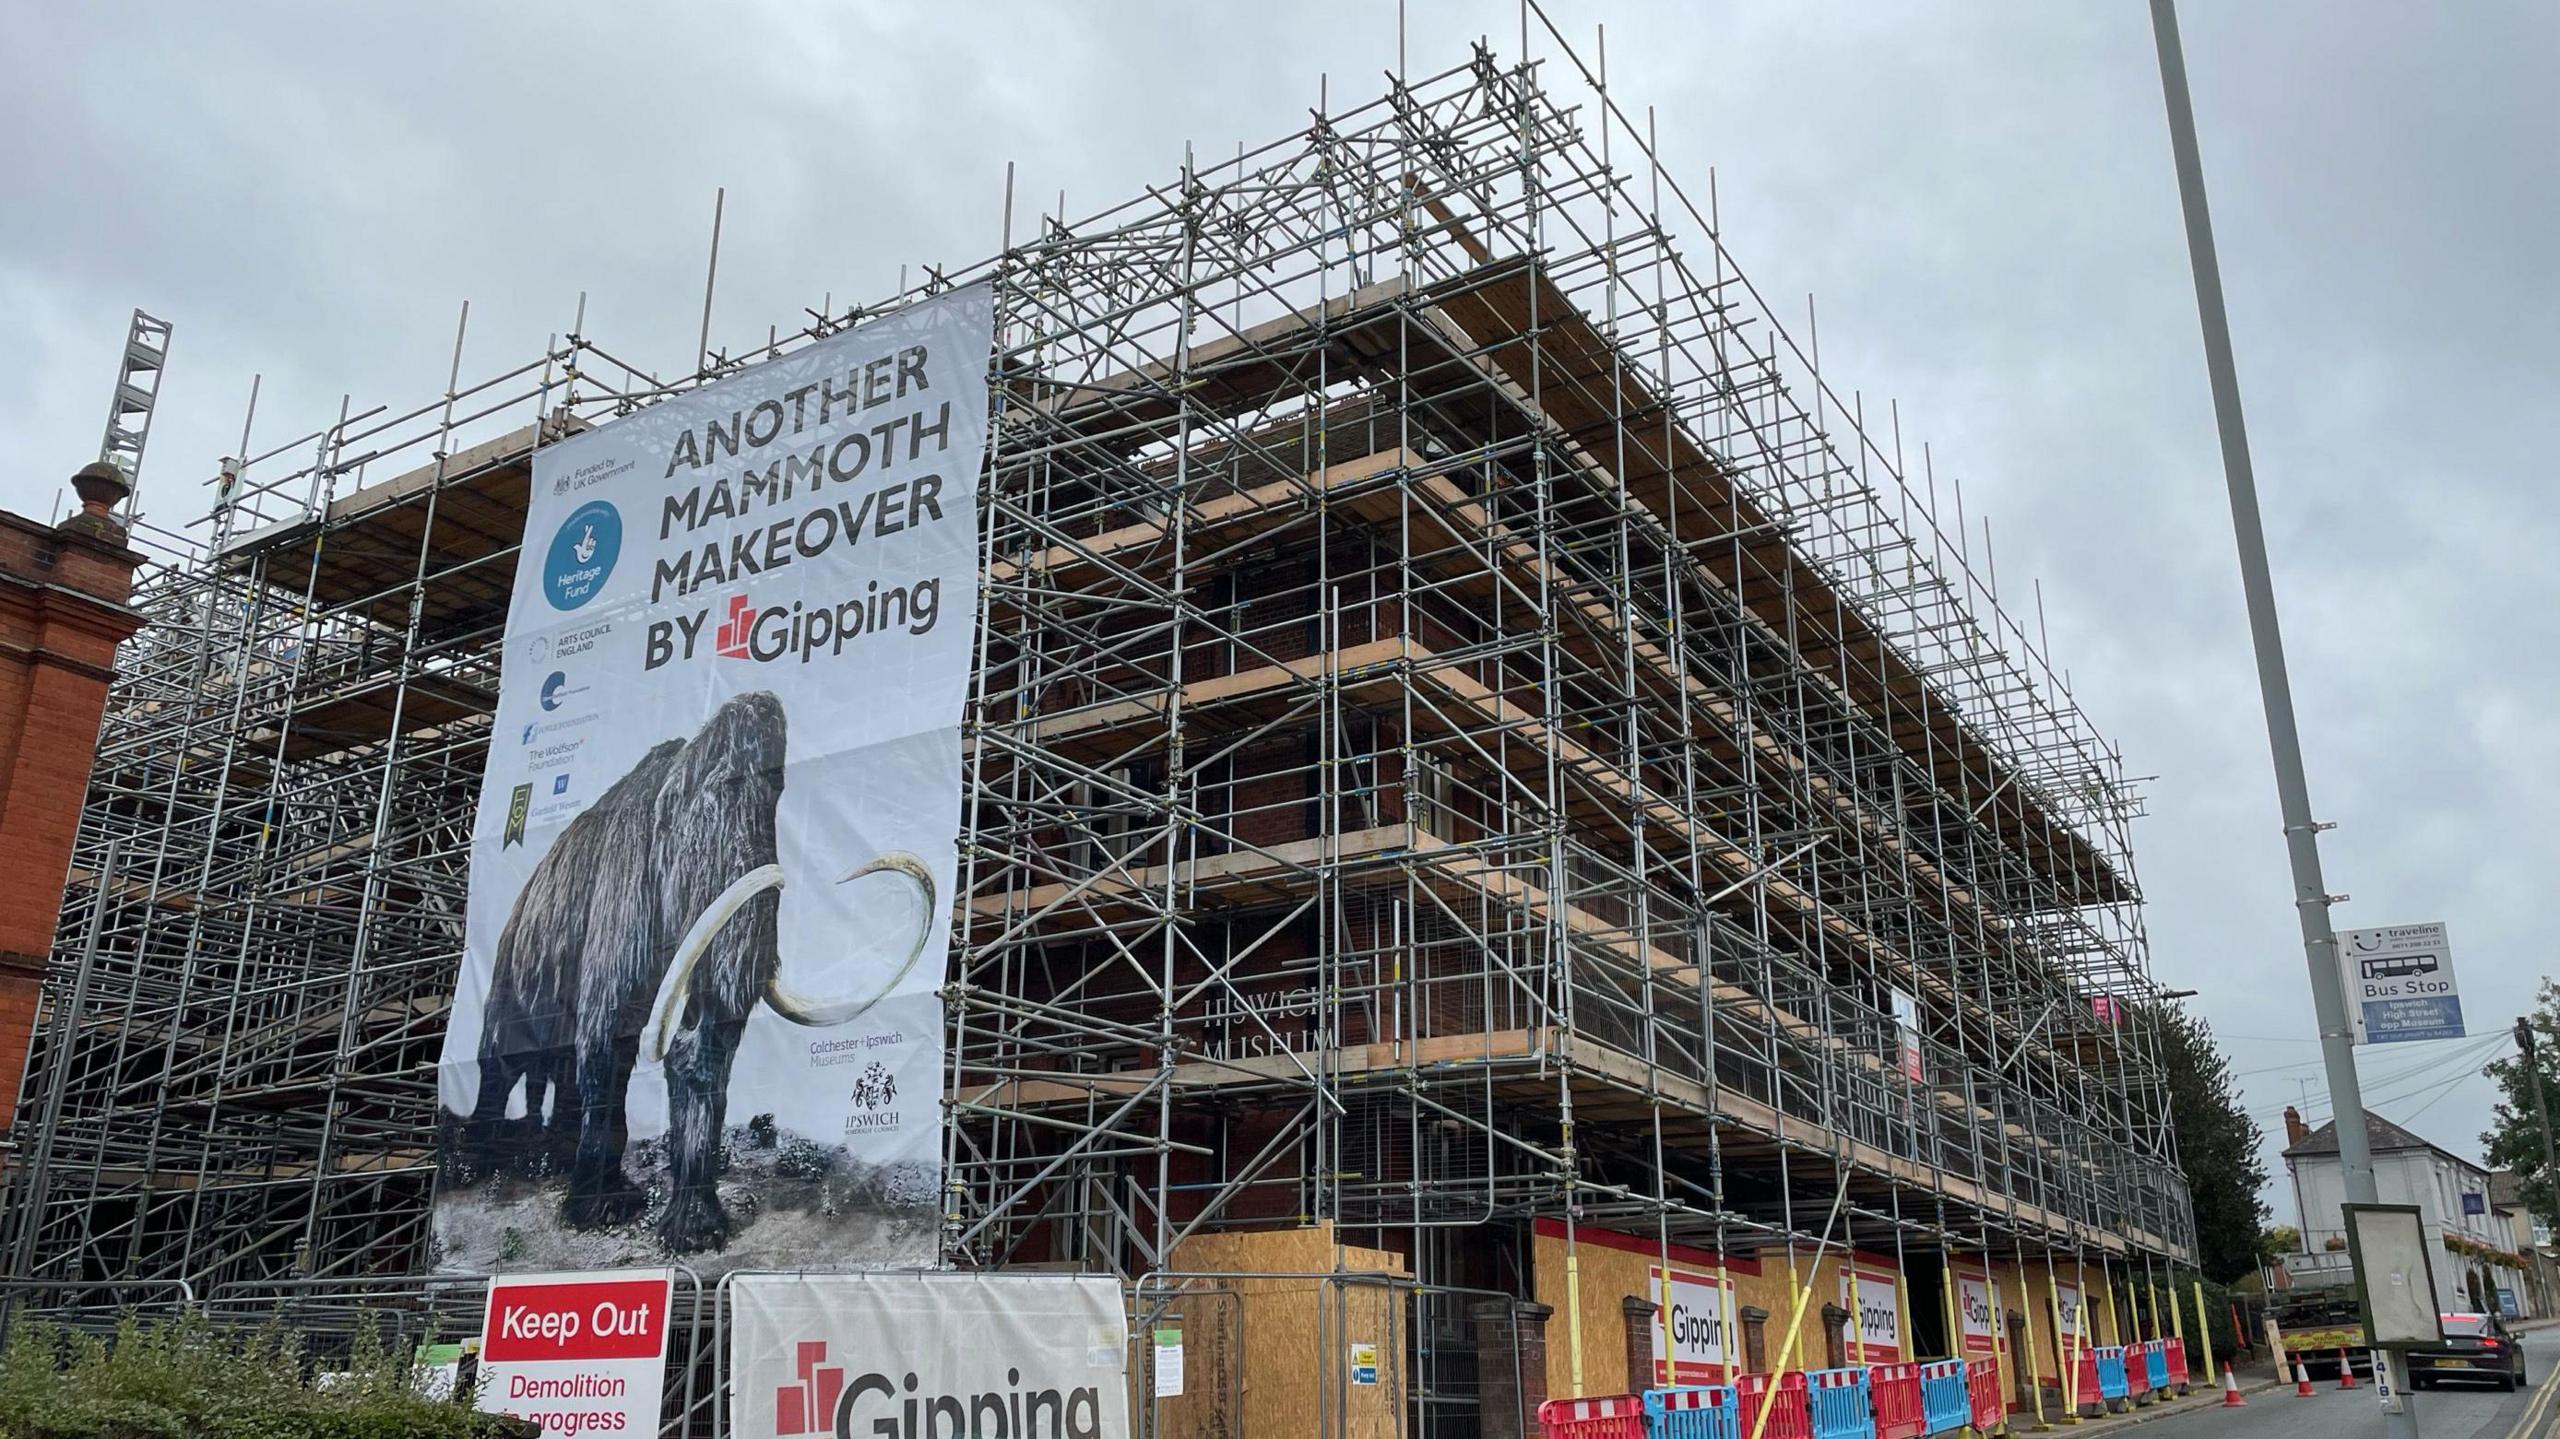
(651, 920)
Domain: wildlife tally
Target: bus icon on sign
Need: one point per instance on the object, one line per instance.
(2397, 966)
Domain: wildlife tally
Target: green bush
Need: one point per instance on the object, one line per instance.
(191, 1379)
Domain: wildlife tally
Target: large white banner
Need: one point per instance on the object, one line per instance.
(712, 876)
(993, 1356)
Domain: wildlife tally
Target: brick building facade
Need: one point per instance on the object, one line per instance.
(62, 613)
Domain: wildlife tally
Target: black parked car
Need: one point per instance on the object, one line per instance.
(2476, 1346)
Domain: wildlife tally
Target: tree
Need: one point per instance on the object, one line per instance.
(2514, 1139)
(2276, 1241)
(2217, 1145)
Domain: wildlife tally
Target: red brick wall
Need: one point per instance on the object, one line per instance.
(62, 613)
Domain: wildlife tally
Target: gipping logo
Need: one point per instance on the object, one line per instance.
(730, 640)
(821, 1402)
(809, 1406)
(582, 555)
(801, 631)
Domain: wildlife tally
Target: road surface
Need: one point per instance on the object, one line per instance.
(2467, 1411)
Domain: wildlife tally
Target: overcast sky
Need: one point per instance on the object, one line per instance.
(1979, 195)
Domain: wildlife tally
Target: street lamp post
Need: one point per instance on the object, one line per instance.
(2311, 899)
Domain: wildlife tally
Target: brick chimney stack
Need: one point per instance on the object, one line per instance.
(62, 614)
(2295, 1131)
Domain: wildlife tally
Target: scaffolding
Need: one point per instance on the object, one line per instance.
(1469, 728)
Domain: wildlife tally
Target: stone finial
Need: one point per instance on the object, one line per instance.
(101, 487)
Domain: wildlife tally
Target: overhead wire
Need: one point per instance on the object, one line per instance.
(2466, 1062)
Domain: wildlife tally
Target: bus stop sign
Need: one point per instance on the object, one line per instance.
(2399, 983)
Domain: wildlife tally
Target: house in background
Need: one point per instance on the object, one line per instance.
(2538, 1290)
(2473, 1254)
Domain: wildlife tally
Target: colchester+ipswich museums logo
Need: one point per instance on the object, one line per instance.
(581, 556)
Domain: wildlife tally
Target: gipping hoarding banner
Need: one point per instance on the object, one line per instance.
(1692, 1311)
(712, 875)
(2066, 1309)
(1041, 1356)
(1980, 1316)
(1873, 1300)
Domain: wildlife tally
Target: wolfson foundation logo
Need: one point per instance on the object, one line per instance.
(872, 1406)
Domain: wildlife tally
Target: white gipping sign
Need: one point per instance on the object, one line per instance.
(2066, 1303)
(1874, 1304)
(993, 1356)
(1980, 1316)
(1693, 1312)
(713, 870)
(577, 1353)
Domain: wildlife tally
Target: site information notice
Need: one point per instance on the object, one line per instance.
(577, 1353)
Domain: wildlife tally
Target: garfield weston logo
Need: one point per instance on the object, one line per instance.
(876, 1088)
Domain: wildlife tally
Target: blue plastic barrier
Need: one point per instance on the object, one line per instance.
(1944, 1404)
(2155, 1364)
(2111, 1376)
(1692, 1411)
(1842, 1406)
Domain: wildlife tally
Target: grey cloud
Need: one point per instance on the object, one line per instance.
(1980, 196)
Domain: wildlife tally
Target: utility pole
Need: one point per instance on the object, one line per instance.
(2311, 898)
(2541, 1116)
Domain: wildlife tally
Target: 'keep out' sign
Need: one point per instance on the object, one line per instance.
(577, 1353)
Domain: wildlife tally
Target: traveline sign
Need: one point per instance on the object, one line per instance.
(577, 1353)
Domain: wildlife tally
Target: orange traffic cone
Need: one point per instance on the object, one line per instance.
(2231, 1391)
(2301, 1379)
(2346, 1371)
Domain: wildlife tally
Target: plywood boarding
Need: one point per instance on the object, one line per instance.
(1296, 1336)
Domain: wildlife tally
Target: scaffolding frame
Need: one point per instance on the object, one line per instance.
(1468, 726)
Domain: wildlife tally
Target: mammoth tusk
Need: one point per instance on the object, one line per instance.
(819, 1014)
(697, 939)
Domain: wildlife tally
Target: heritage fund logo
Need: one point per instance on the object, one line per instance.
(582, 555)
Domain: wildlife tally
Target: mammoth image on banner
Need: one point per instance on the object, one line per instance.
(714, 864)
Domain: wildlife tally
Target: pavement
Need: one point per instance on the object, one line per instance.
(2275, 1412)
